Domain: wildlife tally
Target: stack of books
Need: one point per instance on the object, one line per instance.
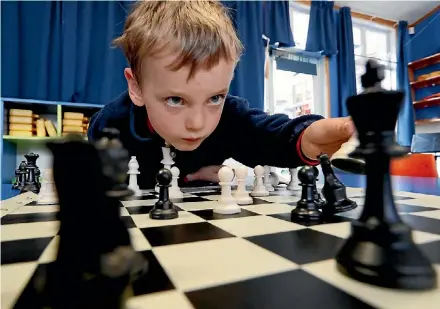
(75, 123)
(23, 122)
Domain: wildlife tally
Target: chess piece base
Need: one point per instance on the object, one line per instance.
(350, 165)
(345, 205)
(385, 257)
(246, 200)
(30, 187)
(227, 210)
(164, 212)
(306, 211)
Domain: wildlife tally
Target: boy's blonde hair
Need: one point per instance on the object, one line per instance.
(201, 32)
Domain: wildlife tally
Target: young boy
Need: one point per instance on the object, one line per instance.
(182, 56)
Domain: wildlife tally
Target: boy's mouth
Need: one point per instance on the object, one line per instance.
(192, 139)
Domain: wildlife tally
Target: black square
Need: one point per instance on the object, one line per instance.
(301, 246)
(422, 223)
(23, 250)
(154, 280)
(324, 220)
(149, 196)
(178, 234)
(286, 290)
(190, 199)
(28, 218)
(208, 214)
(139, 210)
(128, 221)
(259, 201)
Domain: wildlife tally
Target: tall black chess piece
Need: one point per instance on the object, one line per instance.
(31, 184)
(380, 250)
(318, 199)
(95, 261)
(334, 190)
(306, 208)
(164, 209)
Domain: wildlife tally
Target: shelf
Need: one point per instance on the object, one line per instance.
(427, 102)
(424, 62)
(427, 121)
(432, 81)
(33, 138)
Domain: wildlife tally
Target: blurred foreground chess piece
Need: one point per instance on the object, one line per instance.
(95, 262)
(389, 257)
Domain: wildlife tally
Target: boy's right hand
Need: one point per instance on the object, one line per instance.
(207, 173)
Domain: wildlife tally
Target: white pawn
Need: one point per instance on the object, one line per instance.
(167, 160)
(259, 188)
(226, 204)
(293, 179)
(133, 171)
(174, 191)
(266, 179)
(241, 195)
(48, 194)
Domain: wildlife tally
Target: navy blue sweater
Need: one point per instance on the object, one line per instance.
(247, 135)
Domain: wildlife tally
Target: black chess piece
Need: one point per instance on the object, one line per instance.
(20, 176)
(31, 184)
(334, 191)
(318, 199)
(164, 209)
(381, 250)
(306, 208)
(37, 177)
(96, 263)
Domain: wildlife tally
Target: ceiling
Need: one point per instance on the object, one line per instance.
(392, 10)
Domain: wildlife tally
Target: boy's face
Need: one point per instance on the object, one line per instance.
(183, 112)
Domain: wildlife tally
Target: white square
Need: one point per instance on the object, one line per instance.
(50, 253)
(14, 278)
(36, 209)
(144, 220)
(375, 296)
(434, 214)
(270, 208)
(255, 225)
(425, 201)
(280, 198)
(343, 230)
(160, 300)
(134, 203)
(192, 206)
(138, 240)
(29, 230)
(205, 264)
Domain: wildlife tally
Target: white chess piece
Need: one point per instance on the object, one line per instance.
(48, 194)
(241, 195)
(167, 160)
(293, 179)
(174, 190)
(226, 204)
(133, 172)
(266, 179)
(259, 188)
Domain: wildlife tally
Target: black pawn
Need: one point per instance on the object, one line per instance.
(164, 209)
(31, 184)
(334, 190)
(306, 207)
(318, 200)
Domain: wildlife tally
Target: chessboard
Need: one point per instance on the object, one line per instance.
(259, 258)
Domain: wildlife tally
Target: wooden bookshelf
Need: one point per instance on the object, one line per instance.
(429, 80)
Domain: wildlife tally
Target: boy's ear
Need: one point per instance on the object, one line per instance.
(133, 88)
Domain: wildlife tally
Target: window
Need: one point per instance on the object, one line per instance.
(376, 42)
(299, 21)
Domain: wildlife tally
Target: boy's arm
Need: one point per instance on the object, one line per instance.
(262, 139)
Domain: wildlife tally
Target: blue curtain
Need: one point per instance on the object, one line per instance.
(321, 36)
(61, 50)
(277, 23)
(342, 65)
(406, 120)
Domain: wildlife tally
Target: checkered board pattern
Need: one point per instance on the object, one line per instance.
(258, 259)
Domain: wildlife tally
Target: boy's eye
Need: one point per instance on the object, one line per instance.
(217, 99)
(173, 101)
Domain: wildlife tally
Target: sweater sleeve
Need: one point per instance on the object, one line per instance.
(261, 139)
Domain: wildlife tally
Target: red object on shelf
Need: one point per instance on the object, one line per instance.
(415, 165)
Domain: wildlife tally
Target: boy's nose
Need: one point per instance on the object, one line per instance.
(195, 121)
